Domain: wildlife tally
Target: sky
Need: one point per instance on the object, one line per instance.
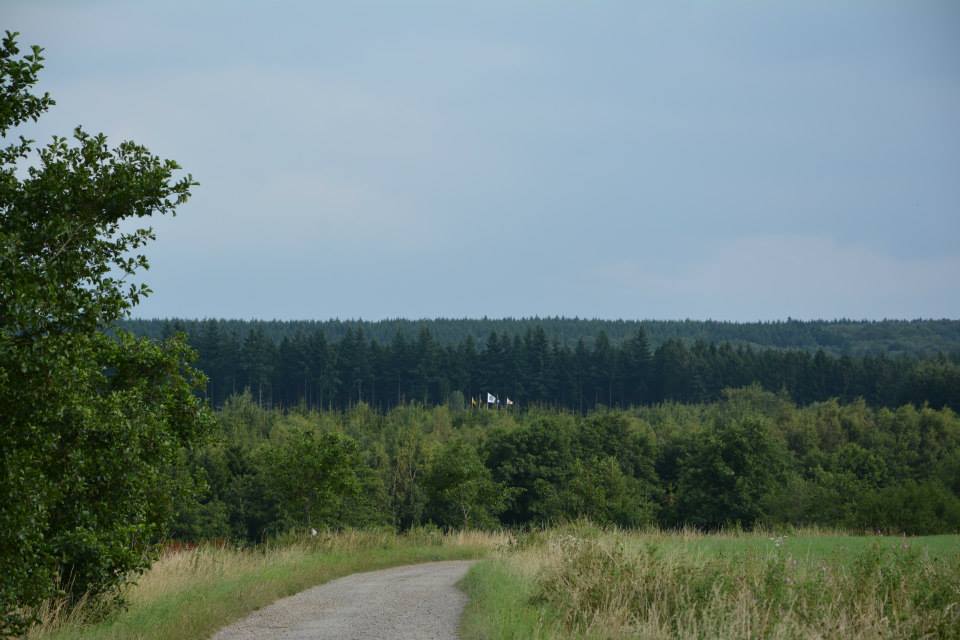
(708, 160)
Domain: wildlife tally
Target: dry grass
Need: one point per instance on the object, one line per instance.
(189, 593)
(581, 582)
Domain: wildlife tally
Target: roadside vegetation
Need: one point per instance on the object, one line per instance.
(191, 592)
(580, 581)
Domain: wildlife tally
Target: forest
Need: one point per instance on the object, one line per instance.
(752, 457)
(285, 370)
(920, 338)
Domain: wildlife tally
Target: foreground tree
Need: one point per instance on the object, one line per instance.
(89, 421)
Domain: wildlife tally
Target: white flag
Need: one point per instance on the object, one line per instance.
(491, 399)
(509, 402)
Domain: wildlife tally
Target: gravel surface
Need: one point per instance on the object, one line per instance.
(419, 602)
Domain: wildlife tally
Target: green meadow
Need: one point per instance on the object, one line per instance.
(583, 582)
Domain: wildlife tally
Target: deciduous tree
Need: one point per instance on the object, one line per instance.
(89, 421)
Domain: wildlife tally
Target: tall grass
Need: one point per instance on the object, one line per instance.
(190, 593)
(585, 584)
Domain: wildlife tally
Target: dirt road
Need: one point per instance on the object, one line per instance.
(419, 602)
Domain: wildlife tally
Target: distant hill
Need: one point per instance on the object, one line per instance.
(921, 338)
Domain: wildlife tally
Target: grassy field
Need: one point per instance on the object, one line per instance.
(577, 581)
(582, 582)
(189, 594)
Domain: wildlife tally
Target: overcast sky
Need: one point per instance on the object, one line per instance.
(725, 160)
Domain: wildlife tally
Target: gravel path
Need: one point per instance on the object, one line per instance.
(419, 602)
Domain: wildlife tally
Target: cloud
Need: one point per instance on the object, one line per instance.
(593, 160)
(774, 276)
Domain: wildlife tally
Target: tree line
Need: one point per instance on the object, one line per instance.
(310, 370)
(919, 338)
(753, 457)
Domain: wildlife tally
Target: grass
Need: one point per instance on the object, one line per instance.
(189, 594)
(500, 605)
(808, 544)
(584, 582)
(577, 581)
